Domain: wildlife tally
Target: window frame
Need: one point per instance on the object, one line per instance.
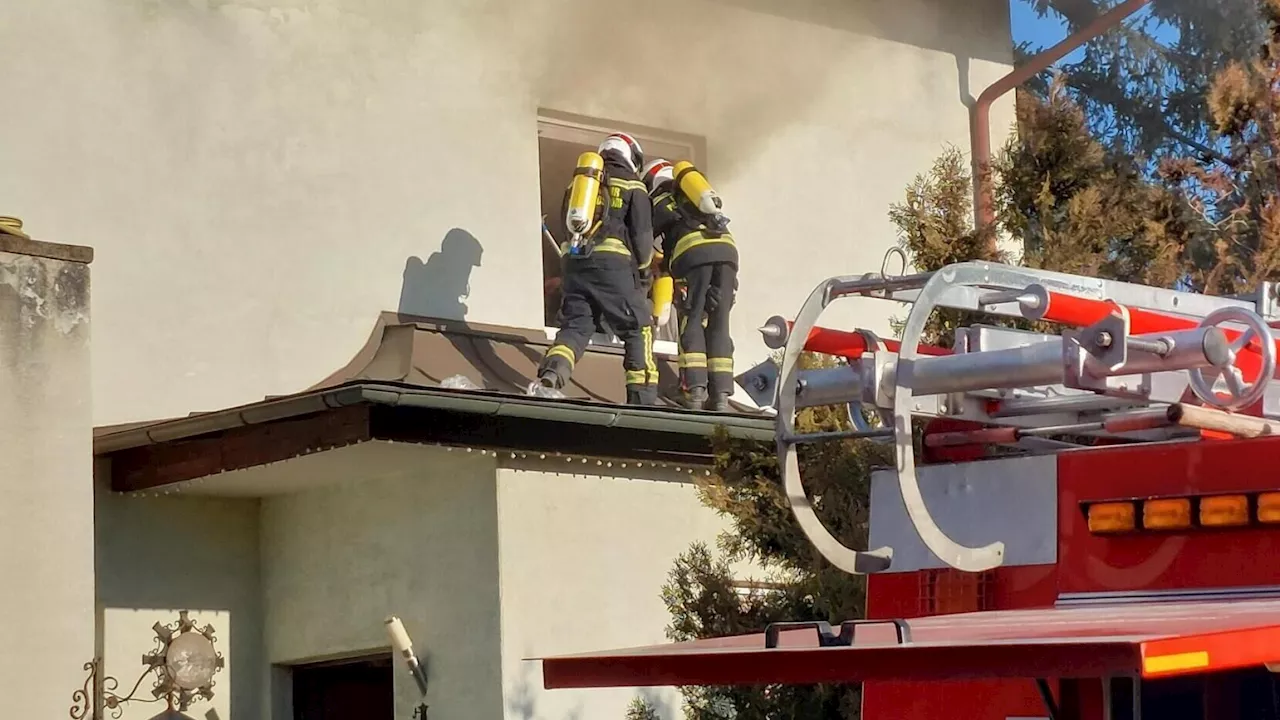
(583, 130)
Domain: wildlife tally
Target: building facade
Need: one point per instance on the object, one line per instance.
(261, 177)
(500, 528)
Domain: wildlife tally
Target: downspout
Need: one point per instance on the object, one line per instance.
(980, 115)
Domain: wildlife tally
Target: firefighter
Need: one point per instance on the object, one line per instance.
(606, 270)
(699, 252)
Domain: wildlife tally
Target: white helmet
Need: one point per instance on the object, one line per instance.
(626, 148)
(657, 172)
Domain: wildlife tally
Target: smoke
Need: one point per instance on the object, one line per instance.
(740, 72)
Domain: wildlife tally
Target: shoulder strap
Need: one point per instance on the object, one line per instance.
(604, 199)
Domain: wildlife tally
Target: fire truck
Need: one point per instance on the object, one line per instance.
(1115, 558)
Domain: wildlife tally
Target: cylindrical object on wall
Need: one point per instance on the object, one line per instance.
(404, 646)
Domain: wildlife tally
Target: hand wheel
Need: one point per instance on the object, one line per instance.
(1242, 394)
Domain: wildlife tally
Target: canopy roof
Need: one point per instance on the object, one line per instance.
(1151, 640)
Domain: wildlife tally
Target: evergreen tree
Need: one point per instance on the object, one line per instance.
(1143, 85)
(641, 710)
(1080, 208)
(1234, 203)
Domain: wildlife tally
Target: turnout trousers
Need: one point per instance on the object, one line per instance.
(606, 296)
(706, 349)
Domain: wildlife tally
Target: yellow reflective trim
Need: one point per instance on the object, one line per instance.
(693, 360)
(612, 245)
(635, 377)
(1172, 663)
(651, 366)
(563, 351)
(696, 239)
(626, 184)
(721, 365)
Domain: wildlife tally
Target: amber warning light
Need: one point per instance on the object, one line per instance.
(1172, 514)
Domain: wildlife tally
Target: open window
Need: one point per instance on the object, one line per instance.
(561, 139)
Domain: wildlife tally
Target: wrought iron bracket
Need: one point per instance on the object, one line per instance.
(97, 697)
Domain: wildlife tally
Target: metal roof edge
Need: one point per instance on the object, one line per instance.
(681, 422)
(382, 393)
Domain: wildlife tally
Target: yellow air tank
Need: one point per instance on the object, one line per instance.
(664, 289)
(584, 193)
(694, 185)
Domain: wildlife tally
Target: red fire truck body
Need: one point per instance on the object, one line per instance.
(1138, 569)
(1117, 562)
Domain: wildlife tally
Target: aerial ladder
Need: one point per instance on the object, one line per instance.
(1133, 364)
(1127, 378)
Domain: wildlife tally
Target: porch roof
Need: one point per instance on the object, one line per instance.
(391, 390)
(1153, 639)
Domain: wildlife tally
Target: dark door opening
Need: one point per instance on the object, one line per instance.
(359, 689)
(1247, 694)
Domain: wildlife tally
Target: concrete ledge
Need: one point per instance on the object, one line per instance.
(39, 248)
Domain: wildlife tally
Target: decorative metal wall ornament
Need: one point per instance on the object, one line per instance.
(185, 660)
(183, 665)
(83, 706)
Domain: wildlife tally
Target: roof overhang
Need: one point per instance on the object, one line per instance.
(157, 454)
(1151, 640)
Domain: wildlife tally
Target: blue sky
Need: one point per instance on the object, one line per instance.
(1027, 27)
(1044, 32)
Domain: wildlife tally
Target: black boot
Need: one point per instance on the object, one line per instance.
(545, 386)
(695, 398)
(719, 403)
(646, 395)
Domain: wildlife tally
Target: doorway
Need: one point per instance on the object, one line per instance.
(356, 689)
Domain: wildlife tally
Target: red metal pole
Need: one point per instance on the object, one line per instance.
(852, 345)
(1081, 312)
(980, 116)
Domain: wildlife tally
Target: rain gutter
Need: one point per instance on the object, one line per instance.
(980, 115)
(475, 403)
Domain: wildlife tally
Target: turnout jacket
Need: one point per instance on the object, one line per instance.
(688, 241)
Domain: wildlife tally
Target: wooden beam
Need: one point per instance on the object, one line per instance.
(236, 449)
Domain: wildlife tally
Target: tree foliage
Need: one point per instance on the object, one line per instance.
(1235, 202)
(1143, 85)
(704, 596)
(641, 710)
(1081, 208)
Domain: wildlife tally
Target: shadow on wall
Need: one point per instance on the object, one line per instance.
(521, 700)
(158, 556)
(438, 287)
(654, 699)
(971, 28)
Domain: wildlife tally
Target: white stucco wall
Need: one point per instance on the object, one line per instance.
(420, 544)
(46, 476)
(163, 553)
(583, 561)
(256, 173)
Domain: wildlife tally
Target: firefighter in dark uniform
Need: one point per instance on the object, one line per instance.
(606, 270)
(699, 252)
